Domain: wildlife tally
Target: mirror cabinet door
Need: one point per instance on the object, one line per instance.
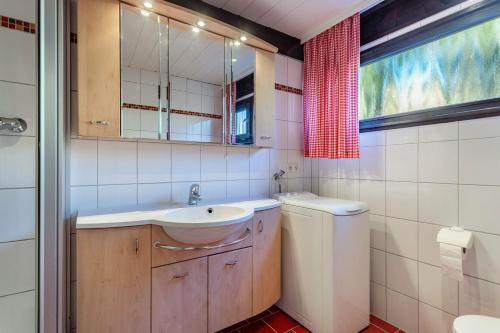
(140, 73)
(241, 118)
(196, 72)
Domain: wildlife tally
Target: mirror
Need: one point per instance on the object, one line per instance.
(241, 117)
(140, 73)
(196, 71)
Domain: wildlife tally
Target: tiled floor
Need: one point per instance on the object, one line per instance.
(276, 321)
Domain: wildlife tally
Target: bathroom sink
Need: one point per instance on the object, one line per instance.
(204, 224)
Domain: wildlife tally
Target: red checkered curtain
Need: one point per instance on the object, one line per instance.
(331, 63)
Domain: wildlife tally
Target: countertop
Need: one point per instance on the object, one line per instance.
(151, 214)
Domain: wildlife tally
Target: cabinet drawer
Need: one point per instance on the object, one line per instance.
(179, 297)
(162, 257)
(229, 288)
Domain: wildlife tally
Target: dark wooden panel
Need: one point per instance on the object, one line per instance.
(286, 44)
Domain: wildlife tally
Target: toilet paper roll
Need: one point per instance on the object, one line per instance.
(451, 261)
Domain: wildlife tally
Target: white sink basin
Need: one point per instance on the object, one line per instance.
(204, 224)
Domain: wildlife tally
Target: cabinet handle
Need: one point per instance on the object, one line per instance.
(260, 226)
(99, 122)
(265, 137)
(180, 276)
(137, 246)
(231, 263)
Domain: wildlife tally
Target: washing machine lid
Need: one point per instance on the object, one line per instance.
(333, 206)
(476, 324)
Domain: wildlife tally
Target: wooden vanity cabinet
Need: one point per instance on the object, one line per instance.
(229, 288)
(179, 297)
(266, 259)
(114, 280)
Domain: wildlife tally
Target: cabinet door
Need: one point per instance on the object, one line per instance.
(179, 303)
(264, 98)
(266, 259)
(98, 68)
(229, 288)
(114, 280)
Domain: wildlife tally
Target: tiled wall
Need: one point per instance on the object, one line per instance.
(417, 180)
(18, 165)
(106, 173)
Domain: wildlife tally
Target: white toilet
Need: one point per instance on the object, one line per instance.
(476, 324)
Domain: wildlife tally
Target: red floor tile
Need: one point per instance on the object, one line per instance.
(383, 325)
(281, 322)
(256, 327)
(300, 329)
(372, 329)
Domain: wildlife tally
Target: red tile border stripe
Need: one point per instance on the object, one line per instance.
(282, 87)
(15, 24)
(176, 111)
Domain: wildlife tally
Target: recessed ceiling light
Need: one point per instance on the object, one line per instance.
(145, 12)
(243, 38)
(234, 60)
(201, 23)
(148, 4)
(237, 43)
(196, 29)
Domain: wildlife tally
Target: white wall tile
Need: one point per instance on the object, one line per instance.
(280, 134)
(402, 311)
(83, 162)
(83, 198)
(432, 320)
(295, 185)
(130, 74)
(378, 300)
(436, 289)
(482, 260)
(402, 275)
(295, 157)
(479, 128)
(327, 168)
(259, 188)
(213, 163)
(479, 297)
(295, 73)
(402, 136)
(117, 162)
(377, 232)
(259, 163)
(17, 161)
(281, 69)
(438, 162)
(23, 10)
(295, 108)
(368, 139)
(213, 190)
(193, 102)
(328, 187)
(194, 86)
(154, 162)
(295, 136)
(18, 214)
(116, 195)
(480, 161)
(377, 266)
(238, 163)
(348, 168)
(149, 122)
(185, 163)
(438, 203)
(180, 191)
(150, 77)
(428, 248)
(18, 313)
(18, 262)
(373, 193)
(131, 92)
(131, 120)
(178, 83)
(154, 193)
(281, 105)
(19, 101)
(348, 189)
(402, 162)
(18, 57)
(372, 163)
(402, 237)
(479, 209)
(438, 132)
(402, 200)
(238, 190)
(278, 161)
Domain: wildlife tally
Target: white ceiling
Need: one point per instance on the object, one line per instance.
(299, 18)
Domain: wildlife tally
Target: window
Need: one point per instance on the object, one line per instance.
(461, 68)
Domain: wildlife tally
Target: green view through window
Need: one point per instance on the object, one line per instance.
(459, 68)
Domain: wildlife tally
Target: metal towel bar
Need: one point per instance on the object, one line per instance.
(16, 125)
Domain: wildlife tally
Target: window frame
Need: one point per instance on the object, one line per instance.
(461, 20)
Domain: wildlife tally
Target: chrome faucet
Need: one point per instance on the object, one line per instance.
(194, 194)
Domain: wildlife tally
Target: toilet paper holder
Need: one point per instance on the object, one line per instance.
(456, 236)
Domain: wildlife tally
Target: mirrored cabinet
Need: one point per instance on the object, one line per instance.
(167, 78)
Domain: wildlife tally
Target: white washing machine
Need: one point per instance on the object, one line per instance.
(326, 262)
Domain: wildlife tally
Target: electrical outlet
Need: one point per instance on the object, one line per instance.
(292, 167)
